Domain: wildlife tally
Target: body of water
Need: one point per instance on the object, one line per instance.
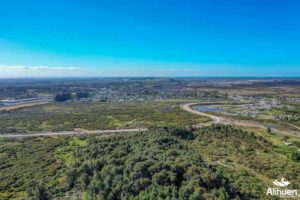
(204, 108)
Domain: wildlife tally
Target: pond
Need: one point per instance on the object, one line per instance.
(203, 108)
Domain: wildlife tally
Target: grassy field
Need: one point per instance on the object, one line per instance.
(90, 116)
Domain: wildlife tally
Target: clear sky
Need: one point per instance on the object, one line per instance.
(149, 38)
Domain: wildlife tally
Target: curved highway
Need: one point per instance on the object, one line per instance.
(221, 120)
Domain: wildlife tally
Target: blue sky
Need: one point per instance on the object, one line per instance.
(149, 38)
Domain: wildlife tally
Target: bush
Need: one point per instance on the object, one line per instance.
(63, 97)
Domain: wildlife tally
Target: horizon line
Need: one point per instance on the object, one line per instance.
(107, 77)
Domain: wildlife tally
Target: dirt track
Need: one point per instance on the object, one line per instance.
(85, 132)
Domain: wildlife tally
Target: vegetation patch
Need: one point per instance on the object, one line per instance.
(216, 162)
(97, 115)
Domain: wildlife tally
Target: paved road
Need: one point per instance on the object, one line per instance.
(46, 134)
(221, 120)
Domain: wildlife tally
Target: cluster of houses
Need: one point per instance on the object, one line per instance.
(297, 99)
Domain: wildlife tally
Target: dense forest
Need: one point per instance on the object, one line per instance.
(217, 162)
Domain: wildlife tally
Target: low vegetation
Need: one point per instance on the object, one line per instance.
(97, 115)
